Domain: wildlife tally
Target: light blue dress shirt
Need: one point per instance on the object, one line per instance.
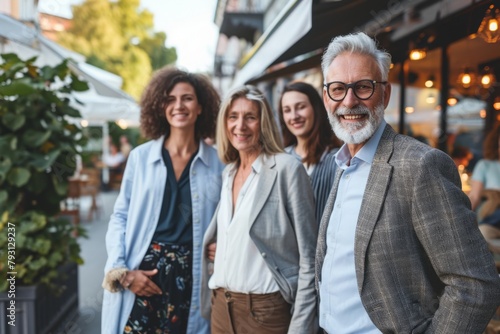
(341, 310)
(488, 173)
(135, 217)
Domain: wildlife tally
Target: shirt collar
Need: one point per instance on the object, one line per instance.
(157, 145)
(256, 165)
(366, 153)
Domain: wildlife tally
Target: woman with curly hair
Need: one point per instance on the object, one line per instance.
(170, 189)
(308, 136)
(485, 184)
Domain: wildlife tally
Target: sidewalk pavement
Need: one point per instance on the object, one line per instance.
(91, 273)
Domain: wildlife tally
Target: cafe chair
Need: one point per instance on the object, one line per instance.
(70, 206)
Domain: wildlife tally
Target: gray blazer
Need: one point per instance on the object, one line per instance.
(285, 232)
(422, 266)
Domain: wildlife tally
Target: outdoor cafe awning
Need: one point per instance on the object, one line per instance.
(292, 23)
(393, 22)
(296, 41)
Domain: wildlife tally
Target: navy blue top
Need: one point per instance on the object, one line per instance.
(175, 225)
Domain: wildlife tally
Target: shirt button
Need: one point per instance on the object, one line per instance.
(264, 255)
(195, 195)
(194, 172)
(347, 176)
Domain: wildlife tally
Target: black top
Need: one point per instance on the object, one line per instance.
(322, 179)
(175, 225)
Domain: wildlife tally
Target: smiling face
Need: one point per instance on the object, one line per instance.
(353, 120)
(298, 113)
(182, 107)
(243, 126)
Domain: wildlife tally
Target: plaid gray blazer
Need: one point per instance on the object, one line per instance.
(422, 266)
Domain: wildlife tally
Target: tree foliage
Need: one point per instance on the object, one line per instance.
(119, 37)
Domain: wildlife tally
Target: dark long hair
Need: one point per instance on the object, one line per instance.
(321, 137)
(490, 145)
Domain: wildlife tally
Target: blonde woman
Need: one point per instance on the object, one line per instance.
(265, 227)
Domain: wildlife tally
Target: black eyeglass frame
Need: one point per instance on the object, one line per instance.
(352, 85)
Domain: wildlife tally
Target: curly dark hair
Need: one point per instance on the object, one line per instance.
(321, 137)
(154, 98)
(490, 145)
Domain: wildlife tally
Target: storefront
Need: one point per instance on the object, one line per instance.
(446, 34)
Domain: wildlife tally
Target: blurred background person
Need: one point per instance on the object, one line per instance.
(263, 277)
(485, 187)
(113, 161)
(114, 158)
(308, 136)
(125, 146)
(169, 192)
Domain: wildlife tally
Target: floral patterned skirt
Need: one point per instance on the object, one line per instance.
(168, 312)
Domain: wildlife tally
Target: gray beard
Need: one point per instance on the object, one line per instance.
(360, 132)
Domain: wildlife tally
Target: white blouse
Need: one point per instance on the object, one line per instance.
(238, 265)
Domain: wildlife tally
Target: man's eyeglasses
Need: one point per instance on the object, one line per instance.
(362, 89)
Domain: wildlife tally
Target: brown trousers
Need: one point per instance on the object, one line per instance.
(241, 313)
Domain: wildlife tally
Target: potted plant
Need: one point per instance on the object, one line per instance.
(38, 145)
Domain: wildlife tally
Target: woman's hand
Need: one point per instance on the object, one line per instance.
(211, 248)
(140, 283)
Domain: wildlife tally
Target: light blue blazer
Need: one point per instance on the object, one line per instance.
(135, 217)
(284, 229)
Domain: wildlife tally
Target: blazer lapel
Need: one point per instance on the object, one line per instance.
(264, 187)
(373, 199)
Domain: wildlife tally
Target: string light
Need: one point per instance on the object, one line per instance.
(488, 29)
(418, 54)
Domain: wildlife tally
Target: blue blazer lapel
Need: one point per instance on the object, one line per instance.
(373, 199)
(264, 187)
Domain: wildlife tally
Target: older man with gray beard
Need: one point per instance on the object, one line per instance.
(398, 249)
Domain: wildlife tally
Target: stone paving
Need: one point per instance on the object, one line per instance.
(91, 273)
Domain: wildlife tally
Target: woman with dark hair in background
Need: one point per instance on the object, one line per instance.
(308, 136)
(168, 195)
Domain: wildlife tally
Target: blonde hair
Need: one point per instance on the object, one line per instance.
(270, 138)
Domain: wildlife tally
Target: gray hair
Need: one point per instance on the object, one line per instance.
(356, 43)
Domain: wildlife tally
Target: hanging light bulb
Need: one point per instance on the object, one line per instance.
(496, 104)
(417, 54)
(466, 78)
(452, 101)
(488, 29)
(429, 83)
(492, 24)
(430, 99)
(488, 78)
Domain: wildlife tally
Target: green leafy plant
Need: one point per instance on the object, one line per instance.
(38, 147)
